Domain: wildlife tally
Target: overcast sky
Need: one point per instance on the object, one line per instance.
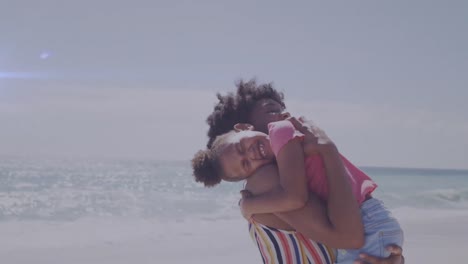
(388, 80)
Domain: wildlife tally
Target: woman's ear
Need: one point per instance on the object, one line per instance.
(243, 126)
(285, 115)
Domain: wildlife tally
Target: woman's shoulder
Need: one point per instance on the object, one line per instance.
(264, 179)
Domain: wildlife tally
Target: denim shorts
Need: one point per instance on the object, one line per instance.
(380, 230)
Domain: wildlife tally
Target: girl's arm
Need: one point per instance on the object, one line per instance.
(292, 193)
(341, 226)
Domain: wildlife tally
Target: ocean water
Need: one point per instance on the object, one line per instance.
(121, 211)
(67, 190)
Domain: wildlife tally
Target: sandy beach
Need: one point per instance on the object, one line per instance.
(431, 237)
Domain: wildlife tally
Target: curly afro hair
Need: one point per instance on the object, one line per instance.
(206, 165)
(235, 108)
(204, 168)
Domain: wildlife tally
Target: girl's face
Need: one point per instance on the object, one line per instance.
(244, 152)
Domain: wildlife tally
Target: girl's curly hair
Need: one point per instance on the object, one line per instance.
(206, 165)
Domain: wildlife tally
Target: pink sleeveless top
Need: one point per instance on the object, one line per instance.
(282, 132)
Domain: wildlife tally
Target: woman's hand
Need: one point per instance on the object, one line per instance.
(315, 140)
(395, 257)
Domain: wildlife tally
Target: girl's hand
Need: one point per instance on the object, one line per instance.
(315, 139)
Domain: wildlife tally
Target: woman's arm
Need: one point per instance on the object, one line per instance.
(341, 226)
(343, 209)
(313, 221)
(309, 220)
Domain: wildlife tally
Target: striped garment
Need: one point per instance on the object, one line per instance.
(288, 247)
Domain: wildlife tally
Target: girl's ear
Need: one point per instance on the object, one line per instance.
(243, 126)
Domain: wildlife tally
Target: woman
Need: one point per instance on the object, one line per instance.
(274, 233)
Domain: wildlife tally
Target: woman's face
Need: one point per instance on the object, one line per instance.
(264, 112)
(244, 152)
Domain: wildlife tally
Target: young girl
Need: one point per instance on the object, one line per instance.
(238, 154)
